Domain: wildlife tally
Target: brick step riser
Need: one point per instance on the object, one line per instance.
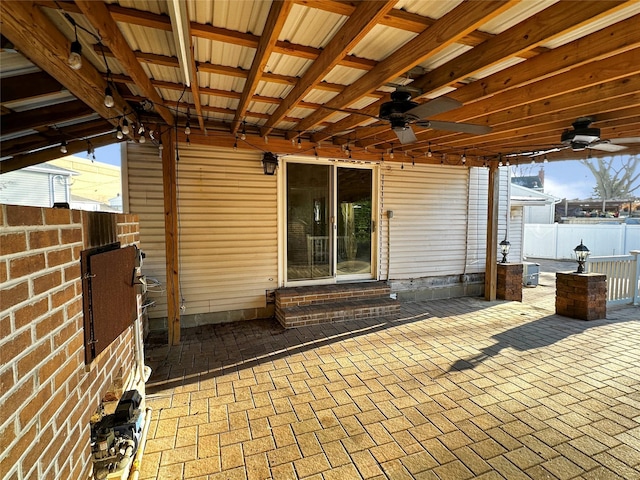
(338, 315)
(302, 300)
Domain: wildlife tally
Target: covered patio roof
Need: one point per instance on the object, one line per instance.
(310, 77)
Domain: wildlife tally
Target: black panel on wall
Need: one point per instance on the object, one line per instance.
(109, 295)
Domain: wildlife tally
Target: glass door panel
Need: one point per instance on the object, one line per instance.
(309, 241)
(354, 195)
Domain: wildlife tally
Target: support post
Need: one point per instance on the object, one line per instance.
(635, 277)
(491, 267)
(169, 187)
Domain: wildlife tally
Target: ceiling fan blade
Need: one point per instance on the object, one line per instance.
(405, 135)
(455, 127)
(433, 107)
(624, 140)
(606, 147)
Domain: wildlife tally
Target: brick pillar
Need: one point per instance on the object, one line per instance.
(509, 281)
(581, 295)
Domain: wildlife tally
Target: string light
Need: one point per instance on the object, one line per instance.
(391, 153)
(235, 144)
(75, 53)
(299, 142)
(119, 134)
(109, 102)
(464, 157)
(187, 128)
(141, 130)
(63, 147)
(243, 135)
(125, 126)
(143, 139)
(429, 152)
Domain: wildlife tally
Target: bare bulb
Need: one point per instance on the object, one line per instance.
(125, 127)
(75, 57)
(63, 147)
(119, 134)
(108, 98)
(142, 139)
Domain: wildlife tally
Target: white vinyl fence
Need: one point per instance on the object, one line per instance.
(623, 276)
(557, 241)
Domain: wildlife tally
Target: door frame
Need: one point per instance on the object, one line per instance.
(282, 218)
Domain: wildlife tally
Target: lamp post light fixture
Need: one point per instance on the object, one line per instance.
(582, 252)
(269, 163)
(504, 249)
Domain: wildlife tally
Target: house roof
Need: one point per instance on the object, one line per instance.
(526, 196)
(313, 74)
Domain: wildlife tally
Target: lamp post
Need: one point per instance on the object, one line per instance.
(269, 163)
(504, 249)
(582, 252)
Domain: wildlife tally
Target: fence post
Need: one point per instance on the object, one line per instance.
(635, 277)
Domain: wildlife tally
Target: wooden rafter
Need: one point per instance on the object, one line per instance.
(275, 21)
(364, 18)
(34, 119)
(457, 23)
(98, 15)
(29, 85)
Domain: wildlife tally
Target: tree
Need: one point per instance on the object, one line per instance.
(616, 178)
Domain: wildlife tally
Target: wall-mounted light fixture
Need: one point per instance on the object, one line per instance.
(504, 249)
(269, 163)
(582, 253)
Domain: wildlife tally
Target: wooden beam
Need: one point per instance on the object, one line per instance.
(454, 25)
(23, 161)
(491, 266)
(42, 117)
(29, 85)
(170, 189)
(98, 15)
(54, 136)
(365, 17)
(275, 21)
(39, 40)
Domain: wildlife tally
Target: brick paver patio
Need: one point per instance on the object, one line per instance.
(450, 389)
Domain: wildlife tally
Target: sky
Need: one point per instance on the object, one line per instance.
(565, 179)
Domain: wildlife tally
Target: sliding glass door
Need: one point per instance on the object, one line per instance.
(328, 223)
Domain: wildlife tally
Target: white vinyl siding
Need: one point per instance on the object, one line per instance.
(227, 221)
(439, 222)
(516, 227)
(36, 189)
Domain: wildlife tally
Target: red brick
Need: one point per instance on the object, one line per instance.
(71, 235)
(14, 400)
(61, 297)
(8, 434)
(58, 257)
(57, 216)
(64, 374)
(19, 267)
(29, 313)
(47, 282)
(43, 239)
(28, 363)
(47, 325)
(13, 346)
(5, 326)
(73, 308)
(63, 335)
(20, 215)
(35, 404)
(51, 366)
(33, 454)
(13, 243)
(6, 381)
(72, 272)
(2, 216)
(3, 271)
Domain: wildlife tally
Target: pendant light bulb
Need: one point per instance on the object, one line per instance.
(391, 155)
(141, 129)
(119, 134)
(299, 143)
(63, 147)
(429, 152)
(125, 127)
(142, 139)
(243, 135)
(187, 129)
(108, 97)
(75, 55)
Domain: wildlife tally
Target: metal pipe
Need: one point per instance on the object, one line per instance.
(135, 468)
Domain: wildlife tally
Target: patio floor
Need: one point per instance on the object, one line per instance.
(450, 389)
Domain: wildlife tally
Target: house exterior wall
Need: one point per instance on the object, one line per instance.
(228, 230)
(516, 228)
(36, 188)
(47, 394)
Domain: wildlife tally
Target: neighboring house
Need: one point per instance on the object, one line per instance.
(243, 234)
(96, 181)
(38, 186)
(527, 206)
(80, 203)
(534, 182)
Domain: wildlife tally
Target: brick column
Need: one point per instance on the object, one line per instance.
(581, 295)
(509, 281)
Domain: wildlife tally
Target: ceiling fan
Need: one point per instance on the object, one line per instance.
(402, 112)
(582, 136)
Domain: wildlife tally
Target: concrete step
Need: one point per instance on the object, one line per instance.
(337, 311)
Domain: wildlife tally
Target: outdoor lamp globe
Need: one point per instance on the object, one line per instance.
(504, 249)
(582, 252)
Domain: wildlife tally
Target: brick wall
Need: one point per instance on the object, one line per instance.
(47, 394)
